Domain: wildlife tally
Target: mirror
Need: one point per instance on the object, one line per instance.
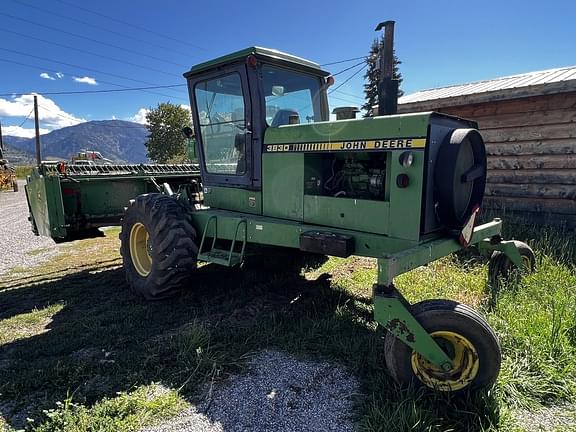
(277, 90)
(188, 132)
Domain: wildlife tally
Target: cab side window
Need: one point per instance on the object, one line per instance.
(222, 128)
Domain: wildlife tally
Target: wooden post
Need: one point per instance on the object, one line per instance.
(37, 126)
(1, 143)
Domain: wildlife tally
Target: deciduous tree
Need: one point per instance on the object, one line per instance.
(166, 143)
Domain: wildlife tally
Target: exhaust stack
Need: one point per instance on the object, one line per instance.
(387, 85)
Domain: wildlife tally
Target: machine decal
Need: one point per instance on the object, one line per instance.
(376, 145)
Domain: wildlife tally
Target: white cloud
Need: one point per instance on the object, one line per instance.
(140, 116)
(51, 116)
(186, 107)
(85, 80)
(21, 132)
(47, 76)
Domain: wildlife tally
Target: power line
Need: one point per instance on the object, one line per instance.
(344, 100)
(79, 67)
(26, 119)
(88, 91)
(126, 23)
(344, 61)
(348, 68)
(60, 115)
(89, 39)
(350, 95)
(89, 52)
(122, 89)
(125, 88)
(76, 120)
(47, 11)
(348, 79)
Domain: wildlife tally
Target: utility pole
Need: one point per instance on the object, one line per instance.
(1, 143)
(37, 125)
(387, 85)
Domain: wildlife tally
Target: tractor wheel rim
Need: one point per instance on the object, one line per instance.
(464, 360)
(140, 249)
(527, 263)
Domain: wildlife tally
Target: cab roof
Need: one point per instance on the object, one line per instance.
(271, 55)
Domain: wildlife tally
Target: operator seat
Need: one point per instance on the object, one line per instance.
(282, 117)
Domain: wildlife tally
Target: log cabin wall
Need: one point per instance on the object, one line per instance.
(531, 148)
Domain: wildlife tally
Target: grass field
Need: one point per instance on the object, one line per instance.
(79, 352)
(23, 171)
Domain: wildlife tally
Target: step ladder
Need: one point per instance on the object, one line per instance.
(228, 258)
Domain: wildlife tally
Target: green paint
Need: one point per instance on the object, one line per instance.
(283, 185)
(349, 213)
(397, 263)
(392, 312)
(45, 203)
(66, 205)
(508, 248)
(405, 203)
(265, 54)
(281, 232)
(396, 126)
(235, 199)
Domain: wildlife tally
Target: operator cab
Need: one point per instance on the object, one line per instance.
(235, 98)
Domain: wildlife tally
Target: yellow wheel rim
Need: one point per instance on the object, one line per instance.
(527, 263)
(141, 249)
(464, 360)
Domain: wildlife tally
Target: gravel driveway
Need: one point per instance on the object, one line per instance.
(278, 393)
(20, 247)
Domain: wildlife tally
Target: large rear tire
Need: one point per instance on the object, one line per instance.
(463, 334)
(158, 246)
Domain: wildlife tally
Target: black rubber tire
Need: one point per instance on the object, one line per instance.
(454, 211)
(173, 240)
(500, 266)
(447, 315)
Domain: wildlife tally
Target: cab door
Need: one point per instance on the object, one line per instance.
(223, 123)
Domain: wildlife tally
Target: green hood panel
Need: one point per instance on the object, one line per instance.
(396, 126)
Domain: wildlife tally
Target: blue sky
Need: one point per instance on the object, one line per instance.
(77, 45)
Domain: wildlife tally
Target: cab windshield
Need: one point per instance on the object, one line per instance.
(291, 97)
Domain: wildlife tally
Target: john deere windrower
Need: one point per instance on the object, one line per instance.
(275, 171)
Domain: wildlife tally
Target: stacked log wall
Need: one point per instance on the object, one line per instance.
(531, 148)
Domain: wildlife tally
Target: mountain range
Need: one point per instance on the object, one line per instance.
(118, 140)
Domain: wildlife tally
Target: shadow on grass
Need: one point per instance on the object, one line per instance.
(105, 340)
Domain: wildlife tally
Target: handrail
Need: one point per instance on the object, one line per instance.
(240, 222)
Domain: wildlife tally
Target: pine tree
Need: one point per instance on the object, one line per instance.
(372, 76)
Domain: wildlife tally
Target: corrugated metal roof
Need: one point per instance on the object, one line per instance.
(512, 83)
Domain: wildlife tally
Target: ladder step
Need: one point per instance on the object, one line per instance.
(220, 256)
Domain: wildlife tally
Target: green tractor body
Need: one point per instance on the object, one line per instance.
(275, 171)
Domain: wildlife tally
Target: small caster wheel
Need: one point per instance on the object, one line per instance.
(463, 335)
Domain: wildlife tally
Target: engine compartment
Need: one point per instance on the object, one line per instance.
(359, 175)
